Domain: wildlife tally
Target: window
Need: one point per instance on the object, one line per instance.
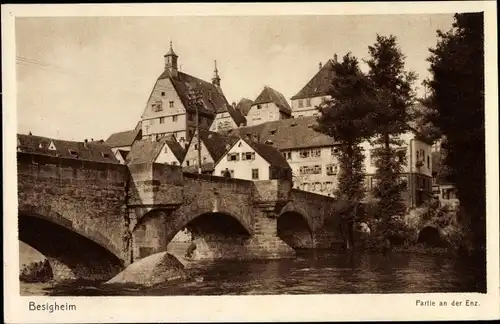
(335, 151)
(162, 120)
(187, 162)
(163, 93)
(248, 156)
(171, 104)
(373, 158)
(401, 153)
(331, 169)
(204, 159)
(73, 152)
(308, 102)
(165, 150)
(288, 155)
(259, 106)
(403, 182)
(156, 106)
(310, 169)
(174, 163)
(304, 154)
(316, 152)
(255, 174)
(195, 146)
(174, 118)
(233, 157)
(301, 103)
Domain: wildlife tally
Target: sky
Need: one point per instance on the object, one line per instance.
(88, 77)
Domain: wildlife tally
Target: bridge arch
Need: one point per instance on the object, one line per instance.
(73, 252)
(212, 231)
(295, 229)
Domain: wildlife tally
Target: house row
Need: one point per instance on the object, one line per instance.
(246, 138)
(87, 150)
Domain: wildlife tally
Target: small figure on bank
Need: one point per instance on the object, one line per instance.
(226, 173)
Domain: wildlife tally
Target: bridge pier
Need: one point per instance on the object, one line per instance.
(60, 271)
(265, 243)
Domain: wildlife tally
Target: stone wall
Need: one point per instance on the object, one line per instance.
(82, 197)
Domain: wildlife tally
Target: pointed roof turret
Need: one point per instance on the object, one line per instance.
(171, 51)
(216, 78)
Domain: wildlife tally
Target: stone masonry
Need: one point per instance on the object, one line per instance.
(90, 219)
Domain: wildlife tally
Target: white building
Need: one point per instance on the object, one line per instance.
(228, 117)
(315, 92)
(270, 105)
(253, 161)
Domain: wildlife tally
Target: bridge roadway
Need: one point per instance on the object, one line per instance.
(91, 219)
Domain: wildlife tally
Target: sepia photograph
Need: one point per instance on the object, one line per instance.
(261, 154)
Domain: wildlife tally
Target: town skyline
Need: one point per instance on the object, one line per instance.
(93, 75)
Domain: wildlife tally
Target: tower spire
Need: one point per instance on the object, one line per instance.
(171, 61)
(216, 78)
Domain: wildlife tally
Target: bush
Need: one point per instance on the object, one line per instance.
(36, 272)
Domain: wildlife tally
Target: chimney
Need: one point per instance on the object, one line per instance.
(85, 143)
(335, 58)
(320, 65)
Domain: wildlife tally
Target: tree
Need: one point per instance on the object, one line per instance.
(346, 118)
(394, 97)
(456, 105)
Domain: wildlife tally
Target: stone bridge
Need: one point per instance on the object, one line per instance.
(90, 219)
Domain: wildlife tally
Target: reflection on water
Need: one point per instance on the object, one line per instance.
(308, 274)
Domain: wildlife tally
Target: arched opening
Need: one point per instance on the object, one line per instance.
(71, 255)
(430, 236)
(294, 230)
(210, 235)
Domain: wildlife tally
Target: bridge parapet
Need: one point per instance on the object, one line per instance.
(272, 195)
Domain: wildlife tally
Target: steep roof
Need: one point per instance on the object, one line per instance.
(319, 84)
(217, 144)
(235, 115)
(176, 148)
(125, 138)
(269, 153)
(244, 106)
(123, 153)
(270, 95)
(286, 134)
(67, 149)
(145, 151)
(212, 97)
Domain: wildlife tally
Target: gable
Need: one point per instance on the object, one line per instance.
(166, 155)
(160, 100)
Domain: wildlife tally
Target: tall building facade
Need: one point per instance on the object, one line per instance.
(175, 101)
(315, 92)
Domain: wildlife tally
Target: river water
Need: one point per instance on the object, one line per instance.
(311, 273)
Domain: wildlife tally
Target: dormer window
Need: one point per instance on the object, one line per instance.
(52, 147)
(272, 131)
(269, 142)
(105, 155)
(73, 152)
